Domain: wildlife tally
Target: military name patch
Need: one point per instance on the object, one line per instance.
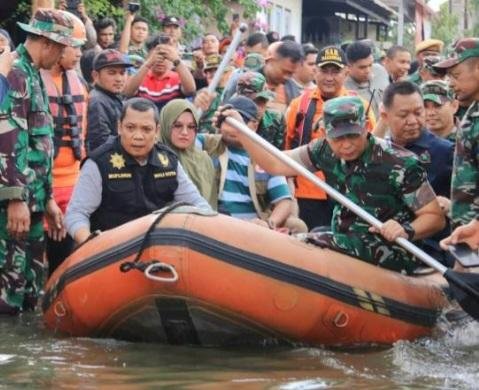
(125, 175)
(160, 175)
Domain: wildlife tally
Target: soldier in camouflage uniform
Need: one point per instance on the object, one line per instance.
(26, 149)
(463, 70)
(388, 183)
(440, 106)
(272, 124)
(427, 48)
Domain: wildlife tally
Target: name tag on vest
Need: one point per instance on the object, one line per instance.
(160, 175)
(125, 175)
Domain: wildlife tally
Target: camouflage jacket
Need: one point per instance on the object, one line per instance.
(460, 113)
(386, 181)
(415, 78)
(272, 128)
(26, 131)
(465, 173)
(206, 122)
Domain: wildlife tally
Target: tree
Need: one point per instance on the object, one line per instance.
(194, 14)
(445, 25)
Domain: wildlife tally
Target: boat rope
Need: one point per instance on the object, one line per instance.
(141, 265)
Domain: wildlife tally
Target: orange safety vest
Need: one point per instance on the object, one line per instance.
(67, 108)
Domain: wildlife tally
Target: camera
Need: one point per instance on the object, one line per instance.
(133, 7)
(164, 39)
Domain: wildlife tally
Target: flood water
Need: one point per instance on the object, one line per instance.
(33, 357)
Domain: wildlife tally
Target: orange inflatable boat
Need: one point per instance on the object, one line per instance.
(214, 280)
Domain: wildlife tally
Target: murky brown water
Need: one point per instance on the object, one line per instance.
(32, 357)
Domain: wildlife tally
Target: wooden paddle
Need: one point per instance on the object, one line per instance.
(463, 286)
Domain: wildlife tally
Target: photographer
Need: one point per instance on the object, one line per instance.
(135, 32)
(163, 76)
(77, 7)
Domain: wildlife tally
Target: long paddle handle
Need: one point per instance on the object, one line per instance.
(420, 254)
(225, 61)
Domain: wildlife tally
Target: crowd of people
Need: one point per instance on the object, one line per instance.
(97, 131)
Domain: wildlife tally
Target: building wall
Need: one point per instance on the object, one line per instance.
(284, 16)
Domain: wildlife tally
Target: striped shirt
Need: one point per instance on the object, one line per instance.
(160, 90)
(236, 198)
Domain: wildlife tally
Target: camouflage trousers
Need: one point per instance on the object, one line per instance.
(21, 266)
(367, 247)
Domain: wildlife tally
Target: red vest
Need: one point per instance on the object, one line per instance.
(67, 107)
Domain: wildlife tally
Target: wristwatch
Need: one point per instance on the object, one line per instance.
(176, 62)
(409, 230)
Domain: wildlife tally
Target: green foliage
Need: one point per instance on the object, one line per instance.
(445, 25)
(102, 8)
(195, 14)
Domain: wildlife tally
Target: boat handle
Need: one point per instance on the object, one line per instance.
(161, 267)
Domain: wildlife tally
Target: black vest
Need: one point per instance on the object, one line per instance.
(129, 190)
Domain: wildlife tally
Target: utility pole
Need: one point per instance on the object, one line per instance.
(400, 23)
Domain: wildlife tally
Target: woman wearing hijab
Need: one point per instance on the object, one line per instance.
(178, 126)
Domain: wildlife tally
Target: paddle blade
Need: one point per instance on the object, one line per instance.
(465, 289)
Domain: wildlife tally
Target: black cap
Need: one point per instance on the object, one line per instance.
(171, 20)
(110, 57)
(245, 106)
(331, 55)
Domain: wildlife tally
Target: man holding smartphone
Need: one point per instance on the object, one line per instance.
(163, 76)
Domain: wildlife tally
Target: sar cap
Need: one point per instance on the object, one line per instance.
(331, 55)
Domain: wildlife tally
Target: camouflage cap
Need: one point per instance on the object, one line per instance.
(462, 50)
(53, 24)
(253, 85)
(429, 63)
(254, 62)
(436, 91)
(344, 115)
(212, 61)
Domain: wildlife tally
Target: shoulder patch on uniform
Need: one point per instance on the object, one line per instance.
(117, 161)
(164, 160)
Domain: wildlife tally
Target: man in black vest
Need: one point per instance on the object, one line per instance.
(128, 177)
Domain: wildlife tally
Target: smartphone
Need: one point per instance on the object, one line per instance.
(464, 255)
(133, 7)
(164, 39)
